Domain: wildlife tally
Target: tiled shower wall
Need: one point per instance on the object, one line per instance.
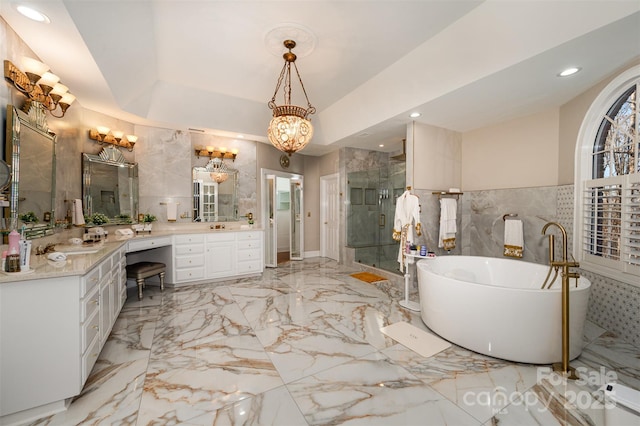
(612, 304)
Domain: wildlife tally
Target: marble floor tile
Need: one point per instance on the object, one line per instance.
(298, 351)
(373, 391)
(274, 407)
(301, 345)
(268, 307)
(188, 382)
(484, 394)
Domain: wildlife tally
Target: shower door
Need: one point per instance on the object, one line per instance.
(371, 209)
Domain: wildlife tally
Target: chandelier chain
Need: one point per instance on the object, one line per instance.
(311, 108)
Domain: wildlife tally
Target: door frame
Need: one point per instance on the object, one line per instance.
(263, 203)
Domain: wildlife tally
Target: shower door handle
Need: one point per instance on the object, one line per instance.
(382, 220)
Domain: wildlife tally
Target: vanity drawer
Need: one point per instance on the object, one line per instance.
(249, 254)
(89, 358)
(89, 304)
(247, 236)
(89, 281)
(105, 267)
(219, 237)
(181, 250)
(190, 274)
(189, 261)
(90, 330)
(148, 243)
(189, 239)
(250, 267)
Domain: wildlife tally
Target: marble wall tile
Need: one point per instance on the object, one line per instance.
(165, 159)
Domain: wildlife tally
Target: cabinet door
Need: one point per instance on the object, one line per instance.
(106, 294)
(221, 259)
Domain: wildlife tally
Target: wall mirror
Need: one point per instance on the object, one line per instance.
(212, 201)
(109, 186)
(31, 154)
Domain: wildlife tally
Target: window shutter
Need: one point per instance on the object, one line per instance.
(602, 221)
(631, 224)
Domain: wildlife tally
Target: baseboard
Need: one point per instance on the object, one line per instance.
(308, 254)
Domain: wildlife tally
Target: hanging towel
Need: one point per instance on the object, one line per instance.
(447, 235)
(77, 214)
(513, 238)
(172, 211)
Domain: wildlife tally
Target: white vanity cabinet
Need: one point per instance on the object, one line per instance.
(51, 333)
(250, 253)
(221, 255)
(188, 258)
(216, 255)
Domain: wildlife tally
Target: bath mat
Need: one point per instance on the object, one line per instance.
(419, 341)
(368, 277)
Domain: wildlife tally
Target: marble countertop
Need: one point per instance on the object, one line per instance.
(75, 264)
(81, 263)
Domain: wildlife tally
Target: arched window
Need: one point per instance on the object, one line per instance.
(608, 182)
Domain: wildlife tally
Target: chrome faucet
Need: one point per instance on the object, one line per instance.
(565, 264)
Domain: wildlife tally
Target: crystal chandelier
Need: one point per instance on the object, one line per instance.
(289, 130)
(217, 170)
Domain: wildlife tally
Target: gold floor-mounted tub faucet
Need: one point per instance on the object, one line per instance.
(565, 264)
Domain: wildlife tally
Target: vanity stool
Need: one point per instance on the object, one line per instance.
(142, 270)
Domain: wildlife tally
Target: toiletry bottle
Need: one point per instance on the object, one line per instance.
(25, 254)
(13, 258)
(4, 261)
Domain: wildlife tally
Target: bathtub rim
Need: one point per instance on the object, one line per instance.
(583, 282)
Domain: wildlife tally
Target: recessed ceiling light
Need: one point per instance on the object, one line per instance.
(381, 145)
(569, 71)
(33, 14)
(415, 115)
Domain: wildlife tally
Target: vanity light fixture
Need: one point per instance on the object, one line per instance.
(104, 135)
(213, 152)
(290, 129)
(42, 88)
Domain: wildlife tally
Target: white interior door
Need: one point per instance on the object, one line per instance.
(295, 222)
(296, 232)
(270, 222)
(329, 217)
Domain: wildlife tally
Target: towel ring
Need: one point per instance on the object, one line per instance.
(509, 215)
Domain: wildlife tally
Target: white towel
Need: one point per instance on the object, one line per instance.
(448, 229)
(77, 214)
(513, 238)
(172, 211)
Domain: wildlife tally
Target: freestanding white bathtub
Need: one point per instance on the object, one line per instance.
(496, 307)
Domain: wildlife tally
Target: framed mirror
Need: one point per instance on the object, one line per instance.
(212, 201)
(31, 154)
(109, 187)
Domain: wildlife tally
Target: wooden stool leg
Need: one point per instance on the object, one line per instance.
(161, 281)
(140, 282)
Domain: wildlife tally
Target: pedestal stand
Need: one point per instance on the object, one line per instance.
(406, 303)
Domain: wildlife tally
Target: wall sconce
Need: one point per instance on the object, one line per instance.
(114, 137)
(213, 152)
(42, 87)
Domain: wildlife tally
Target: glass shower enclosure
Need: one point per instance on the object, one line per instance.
(371, 208)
